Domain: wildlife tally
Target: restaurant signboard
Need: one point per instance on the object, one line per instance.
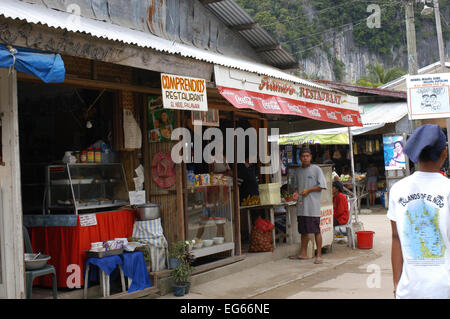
(268, 95)
(183, 93)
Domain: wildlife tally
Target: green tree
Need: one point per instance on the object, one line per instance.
(377, 75)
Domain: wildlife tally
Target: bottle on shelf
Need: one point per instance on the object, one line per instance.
(83, 157)
(98, 155)
(90, 155)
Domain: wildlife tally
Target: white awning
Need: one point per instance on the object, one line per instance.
(382, 113)
(37, 14)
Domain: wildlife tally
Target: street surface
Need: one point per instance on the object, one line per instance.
(345, 273)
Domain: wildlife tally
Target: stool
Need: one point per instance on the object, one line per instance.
(105, 266)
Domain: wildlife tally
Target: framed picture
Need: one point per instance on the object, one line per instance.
(160, 121)
(394, 158)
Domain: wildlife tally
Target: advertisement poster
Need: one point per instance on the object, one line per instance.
(183, 93)
(160, 121)
(428, 96)
(394, 158)
(289, 154)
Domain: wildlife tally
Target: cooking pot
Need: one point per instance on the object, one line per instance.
(148, 211)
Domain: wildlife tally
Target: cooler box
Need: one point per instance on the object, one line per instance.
(269, 194)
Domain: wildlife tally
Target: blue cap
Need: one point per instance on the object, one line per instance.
(428, 137)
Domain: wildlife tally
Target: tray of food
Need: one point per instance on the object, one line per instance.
(106, 253)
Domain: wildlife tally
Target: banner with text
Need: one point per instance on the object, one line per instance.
(183, 93)
(268, 95)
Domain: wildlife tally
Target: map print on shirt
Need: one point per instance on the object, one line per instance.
(423, 240)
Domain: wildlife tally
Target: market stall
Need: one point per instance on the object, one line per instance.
(351, 162)
(76, 173)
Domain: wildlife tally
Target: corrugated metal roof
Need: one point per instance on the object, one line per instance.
(37, 14)
(233, 15)
(382, 113)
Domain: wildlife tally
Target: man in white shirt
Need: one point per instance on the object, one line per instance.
(420, 217)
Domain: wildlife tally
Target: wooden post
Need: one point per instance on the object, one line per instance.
(236, 203)
(180, 182)
(12, 285)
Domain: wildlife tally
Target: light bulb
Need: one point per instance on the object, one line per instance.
(88, 124)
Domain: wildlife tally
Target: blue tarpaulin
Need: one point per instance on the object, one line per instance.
(46, 66)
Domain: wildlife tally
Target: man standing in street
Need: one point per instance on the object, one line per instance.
(420, 219)
(308, 182)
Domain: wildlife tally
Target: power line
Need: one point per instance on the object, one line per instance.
(337, 6)
(321, 43)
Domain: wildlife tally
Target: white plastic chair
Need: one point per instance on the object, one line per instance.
(347, 229)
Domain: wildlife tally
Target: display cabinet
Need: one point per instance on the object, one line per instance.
(209, 218)
(82, 188)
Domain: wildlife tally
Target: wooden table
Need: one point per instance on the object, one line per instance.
(270, 207)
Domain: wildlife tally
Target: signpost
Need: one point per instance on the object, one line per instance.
(428, 96)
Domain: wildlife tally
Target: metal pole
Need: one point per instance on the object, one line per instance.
(352, 161)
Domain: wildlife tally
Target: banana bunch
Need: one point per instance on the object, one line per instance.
(251, 200)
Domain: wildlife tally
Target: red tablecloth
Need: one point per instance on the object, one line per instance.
(67, 245)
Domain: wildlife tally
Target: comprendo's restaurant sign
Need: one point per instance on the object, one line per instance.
(183, 93)
(268, 95)
(428, 96)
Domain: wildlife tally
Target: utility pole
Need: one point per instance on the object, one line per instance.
(437, 16)
(411, 37)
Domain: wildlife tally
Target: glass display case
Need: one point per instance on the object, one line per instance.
(209, 215)
(79, 188)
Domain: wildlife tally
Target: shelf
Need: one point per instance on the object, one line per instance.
(214, 249)
(192, 188)
(84, 181)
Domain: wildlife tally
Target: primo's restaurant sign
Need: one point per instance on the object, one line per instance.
(268, 95)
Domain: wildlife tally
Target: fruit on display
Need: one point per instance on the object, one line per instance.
(345, 178)
(251, 200)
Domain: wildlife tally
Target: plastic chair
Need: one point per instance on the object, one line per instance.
(30, 275)
(349, 231)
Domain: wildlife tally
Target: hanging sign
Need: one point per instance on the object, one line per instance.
(183, 93)
(428, 96)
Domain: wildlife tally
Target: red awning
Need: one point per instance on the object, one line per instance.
(272, 104)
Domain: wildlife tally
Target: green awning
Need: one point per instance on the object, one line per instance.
(311, 138)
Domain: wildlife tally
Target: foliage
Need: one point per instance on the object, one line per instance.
(377, 75)
(181, 250)
(182, 273)
(178, 249)
(304, 26)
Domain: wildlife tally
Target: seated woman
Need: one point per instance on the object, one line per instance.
(340, 205)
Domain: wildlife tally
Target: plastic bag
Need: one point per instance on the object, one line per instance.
(263, 224)
(260, 241)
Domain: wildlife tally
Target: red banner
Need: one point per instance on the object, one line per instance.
(271, 104)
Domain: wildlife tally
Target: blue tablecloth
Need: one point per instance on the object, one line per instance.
(135, 267)
(107, 264)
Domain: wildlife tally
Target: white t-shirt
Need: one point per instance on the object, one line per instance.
(419, 204)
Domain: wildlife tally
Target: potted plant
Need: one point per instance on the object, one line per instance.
(176, 253)
(188, 259)
(181, 275)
